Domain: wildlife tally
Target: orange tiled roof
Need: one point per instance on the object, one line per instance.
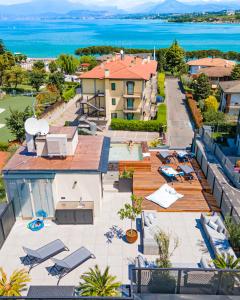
(211, 62)
(216, 71)
(127, 68)
(3, 158)
(86, 157)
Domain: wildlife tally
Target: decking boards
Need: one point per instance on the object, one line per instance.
(197, 192)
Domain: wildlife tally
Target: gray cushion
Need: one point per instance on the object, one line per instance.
(213, 225)
(147, 221)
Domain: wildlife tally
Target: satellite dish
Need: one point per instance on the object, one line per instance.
(31, 126)
(43, 127)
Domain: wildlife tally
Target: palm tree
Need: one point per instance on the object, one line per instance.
(227, 262)
(96, 283)
(16, 283)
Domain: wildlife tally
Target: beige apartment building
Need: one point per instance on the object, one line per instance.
(123, 87)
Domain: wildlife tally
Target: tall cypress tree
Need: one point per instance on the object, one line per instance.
(175, 61)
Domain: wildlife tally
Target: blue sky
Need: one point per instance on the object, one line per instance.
(120, 3)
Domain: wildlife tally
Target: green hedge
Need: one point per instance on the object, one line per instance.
(162, 114)
(135, 125)
(161, 80)
(69, 94)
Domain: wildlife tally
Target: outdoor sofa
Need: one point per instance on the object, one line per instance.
(217, 236)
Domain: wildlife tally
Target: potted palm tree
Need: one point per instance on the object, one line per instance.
(131, 211)
(97, 284)
(16, 284)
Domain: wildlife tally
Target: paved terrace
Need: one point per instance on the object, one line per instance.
(118, 254)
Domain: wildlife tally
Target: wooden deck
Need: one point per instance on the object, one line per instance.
(197, 192)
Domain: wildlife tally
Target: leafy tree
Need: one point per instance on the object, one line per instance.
(14, 75)
(98, 284)
(7, 60)
(131, 211)
(20, 58)
(57, 79)
(88, 59)
(39, 65)
(201, 87)
(68, 63)
(52, 66)
(211, 103)
(15, 122)
(235, 75)
(16, 283)
(161, 54)
(175, 62)
(37, 78)
(46, 98)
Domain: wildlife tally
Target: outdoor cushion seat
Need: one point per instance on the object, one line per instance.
(35, 257)
(165, 196)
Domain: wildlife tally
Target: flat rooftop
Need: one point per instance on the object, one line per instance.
(89, 156)
(117, 253)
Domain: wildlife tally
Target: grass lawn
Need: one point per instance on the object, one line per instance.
(161, 81)
(13, 102)
(162, 114)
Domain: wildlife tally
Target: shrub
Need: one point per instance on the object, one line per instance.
(212, 117)
(3, 146)
(162, 114)
(69, 94)
(195, 112)
(161, 81)
(211, 103)
(135, 125)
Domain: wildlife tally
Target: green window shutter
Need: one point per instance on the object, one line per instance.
(113, 101)
(113, 86)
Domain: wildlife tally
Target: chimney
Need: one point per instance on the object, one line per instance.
(148, 58)
(107, 73)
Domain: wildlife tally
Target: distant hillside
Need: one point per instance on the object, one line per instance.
(174, 6)
(52, 7)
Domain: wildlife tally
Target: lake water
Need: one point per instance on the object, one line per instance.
(50, 38)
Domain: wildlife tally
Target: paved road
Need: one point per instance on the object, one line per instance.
(180, 131)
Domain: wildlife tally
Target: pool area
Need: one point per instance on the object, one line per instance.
(120, 151)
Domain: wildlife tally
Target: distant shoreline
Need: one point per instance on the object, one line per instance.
(49, 38)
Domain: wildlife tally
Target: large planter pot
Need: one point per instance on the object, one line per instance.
(131, 236)
(125, 185)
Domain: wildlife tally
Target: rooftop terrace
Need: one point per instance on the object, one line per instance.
(117, 254)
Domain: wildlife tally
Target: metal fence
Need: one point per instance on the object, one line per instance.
(7, 220)
(227, 197)
(186, 281)
(222, 158)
